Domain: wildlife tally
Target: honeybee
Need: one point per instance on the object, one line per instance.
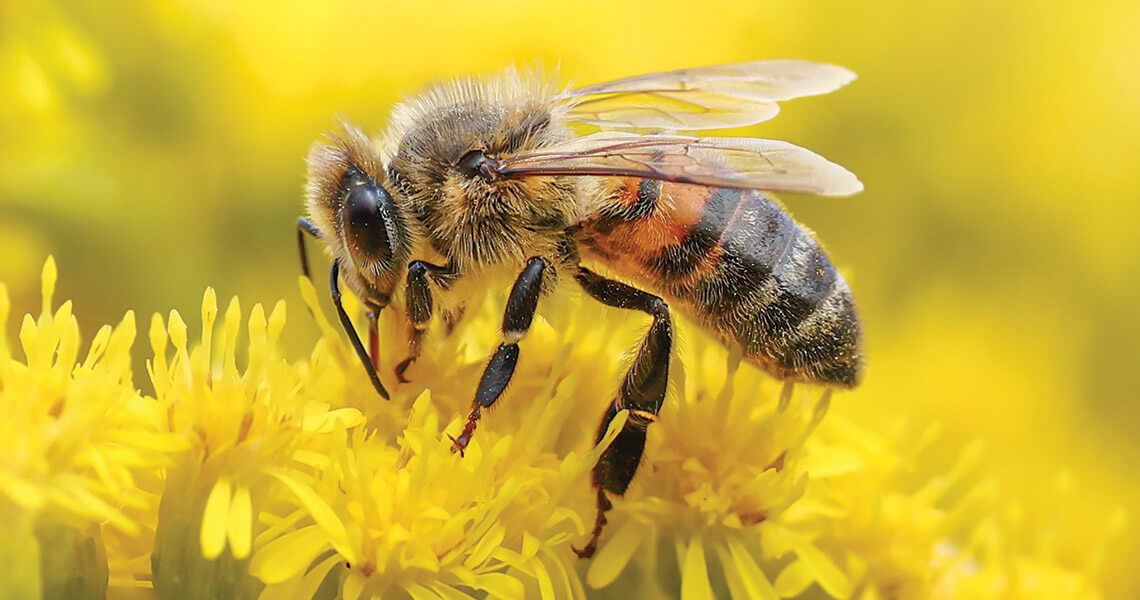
(475, 175)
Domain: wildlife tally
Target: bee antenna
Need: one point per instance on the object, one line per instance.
(346, 323)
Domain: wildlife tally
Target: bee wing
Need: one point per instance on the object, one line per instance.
(720, 96)
(733, 162)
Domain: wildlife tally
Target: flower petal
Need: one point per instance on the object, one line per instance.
(750, 573)
(321, 512)
(239, 525)
(485, 546)
(695, 573)
(830, 461)
(214, 519)
(545, 585)
(449, 593)
(354, 584)
(501, 585)
(615, 554)
(830, 578)
(286, 556)
(794, 579)
(419, 592)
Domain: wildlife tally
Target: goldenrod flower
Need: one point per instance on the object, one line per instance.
(247, 430)
(394, 508)
(724, 470)
(246, 475)
(77, 439)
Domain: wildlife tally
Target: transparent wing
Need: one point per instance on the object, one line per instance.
(714, 97)
(734, 162)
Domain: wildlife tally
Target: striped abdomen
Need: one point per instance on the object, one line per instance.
(738, 264)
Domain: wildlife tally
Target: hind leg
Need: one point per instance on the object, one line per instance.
(642, 392)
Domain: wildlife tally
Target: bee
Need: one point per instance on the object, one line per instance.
(480, 175)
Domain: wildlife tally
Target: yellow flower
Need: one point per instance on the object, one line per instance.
(394, 508)
(77, 440)
(722, 469)
(246, 475)
(246, 428)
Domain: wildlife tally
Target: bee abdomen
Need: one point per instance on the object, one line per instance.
(739, 265)
(773, 290)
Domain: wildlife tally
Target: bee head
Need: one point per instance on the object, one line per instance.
(361, 223)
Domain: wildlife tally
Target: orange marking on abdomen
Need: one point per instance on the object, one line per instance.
(628, 195)
(684, 204)
(650, 221)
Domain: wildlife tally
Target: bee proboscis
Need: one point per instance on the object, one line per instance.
(481, 174)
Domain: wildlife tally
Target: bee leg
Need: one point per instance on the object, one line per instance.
(374, 338)
(415, 338)
(346, 323)
(642, 392)
(517, 318)
(451, 318)
(604, 506)
(305, 226)
(419, 306)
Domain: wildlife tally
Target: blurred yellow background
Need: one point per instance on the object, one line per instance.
(157, 147)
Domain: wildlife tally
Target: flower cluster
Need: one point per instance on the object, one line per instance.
(248, 475)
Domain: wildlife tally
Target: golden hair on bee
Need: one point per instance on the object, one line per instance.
(510, 90)
(349, 205)
(474, 222)
(327, 163)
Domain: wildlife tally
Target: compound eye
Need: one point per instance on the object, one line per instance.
(365, 216)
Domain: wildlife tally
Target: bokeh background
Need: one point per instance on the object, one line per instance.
(156, 147)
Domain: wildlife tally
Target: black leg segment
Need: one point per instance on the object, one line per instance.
(305, 226)
(374, 338)
(497, 374)
(419, 293)
(523, 300)
(346, 323)
(419, 304)
(642, 391)
(517, 317)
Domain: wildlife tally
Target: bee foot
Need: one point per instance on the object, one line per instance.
(459, 444)
(403, 366)
(600, 521)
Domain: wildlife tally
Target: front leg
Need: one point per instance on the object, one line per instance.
(305, 226)
(517, 318)
(418, 298)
